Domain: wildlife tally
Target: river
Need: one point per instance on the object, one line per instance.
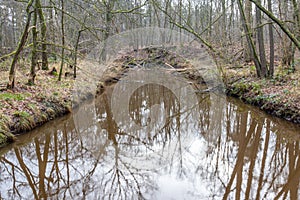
(215, 148)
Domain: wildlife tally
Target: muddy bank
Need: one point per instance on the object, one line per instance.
(23, 121)
(279, 96)
(149, 58)
(27, 107)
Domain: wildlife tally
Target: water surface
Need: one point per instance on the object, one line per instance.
(224, 150)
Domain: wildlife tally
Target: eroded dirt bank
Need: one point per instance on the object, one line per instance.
(279, 96)
(27, 107)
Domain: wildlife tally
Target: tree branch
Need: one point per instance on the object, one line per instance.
(279, 22)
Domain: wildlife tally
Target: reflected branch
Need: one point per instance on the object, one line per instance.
(240, 157)
(27, 173)
(263, 163)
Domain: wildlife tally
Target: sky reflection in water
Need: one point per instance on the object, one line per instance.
(241, 154)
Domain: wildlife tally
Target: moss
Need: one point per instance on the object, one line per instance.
(239, 88)
(5, 122)
(3, 139)
(21, 114)
(30, 106)
(4, 65)
(6, 138)
(11, 96)
(278, 96)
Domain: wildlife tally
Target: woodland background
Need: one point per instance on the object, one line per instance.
(260, 32)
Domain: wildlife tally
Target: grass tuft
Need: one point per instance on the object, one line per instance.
(11, 96)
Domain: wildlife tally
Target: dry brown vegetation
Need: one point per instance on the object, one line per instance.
(26, 106)
(279, 96)
(147, 58)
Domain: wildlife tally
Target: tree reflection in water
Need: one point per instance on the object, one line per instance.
(246, 155)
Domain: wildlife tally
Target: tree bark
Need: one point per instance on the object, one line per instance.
(279, 22)
(34, 47)
(62, 41)
(248, 16)
(260, 41)
(249, 39)
(76, 52)
(286, 44)
(45, 65)
(271, 38)
(21, 44)
(108, 22)
(297, 18)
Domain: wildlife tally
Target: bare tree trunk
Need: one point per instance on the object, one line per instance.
(231, 22)
(248, 16)
(43, 32)
(296, 17)
(14, 39)
(34, 47)
(62, 41)
(279, 22)
(76, 52)
(271, 37)
(286, 44)
(12, 72)
(180, 5)
(224, 21)
(249, 40)
(260, 41)
(52, 30)
(108, 22)
(210, 19)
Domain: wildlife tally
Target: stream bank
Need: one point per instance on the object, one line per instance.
(27, 107)
(278, 96)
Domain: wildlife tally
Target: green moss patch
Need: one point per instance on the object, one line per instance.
(11, 96)
(27, 107)
(279, 96)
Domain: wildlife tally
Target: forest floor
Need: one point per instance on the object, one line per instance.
(278, 96)
(27, 107)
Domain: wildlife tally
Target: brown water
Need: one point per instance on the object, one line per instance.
(224, 150)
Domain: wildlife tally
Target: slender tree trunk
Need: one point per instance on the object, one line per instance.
(224, 21)
(286, 44)
(52, 30)
(62, 41)
(108, 22)
(180, 19)
(248, 16)
(12, 71)
(260, 41)
(14, 37)
(43, 32)
(34, 47)
(249, 39)
(271, 37)
(76, 52)
(231, 22)
(197, 14)
(210, 18)
(296, 17)
(279, 22)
